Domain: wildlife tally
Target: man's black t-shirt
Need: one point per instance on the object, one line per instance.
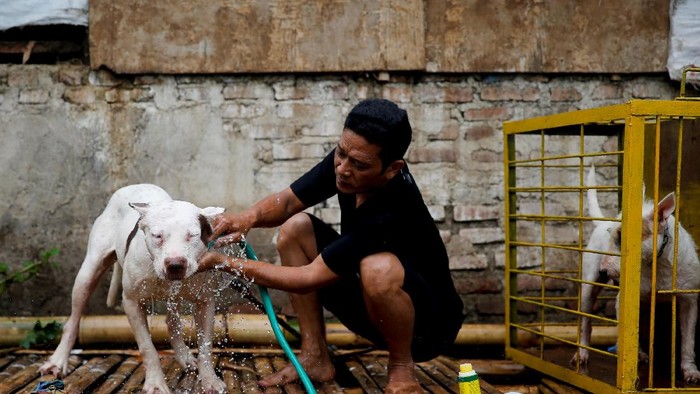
(394, 220)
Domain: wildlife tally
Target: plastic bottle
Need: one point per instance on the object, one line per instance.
(468, 380)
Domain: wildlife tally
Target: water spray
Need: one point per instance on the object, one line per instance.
(266, 304)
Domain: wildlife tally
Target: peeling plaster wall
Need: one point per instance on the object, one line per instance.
(70, 137)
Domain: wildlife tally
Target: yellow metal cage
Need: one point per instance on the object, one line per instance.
(642, 144)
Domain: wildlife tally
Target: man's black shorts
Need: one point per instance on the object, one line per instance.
(435, 329)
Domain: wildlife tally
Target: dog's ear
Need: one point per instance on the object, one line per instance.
(616, 235)
(210, 212)
(206, 229)
(666, 207)
(205, 217)
(140, 207)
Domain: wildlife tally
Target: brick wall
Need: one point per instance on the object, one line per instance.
(71, 136)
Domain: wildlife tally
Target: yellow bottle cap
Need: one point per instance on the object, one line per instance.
(466, 367)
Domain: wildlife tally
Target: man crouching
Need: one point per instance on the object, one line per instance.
(385, 276)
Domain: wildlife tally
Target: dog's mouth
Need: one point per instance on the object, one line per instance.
(605, 277)
(175, 269)
(175, 275)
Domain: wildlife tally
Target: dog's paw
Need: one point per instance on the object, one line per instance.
(155, 387)
(213, 385)
(187, 360)
(580, 358)
(643, 357)
(691, 375)
(51, 368)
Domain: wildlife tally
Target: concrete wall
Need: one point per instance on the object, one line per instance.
(70, 136)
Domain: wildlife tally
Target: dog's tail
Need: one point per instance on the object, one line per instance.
(593, 207)
(115, 286)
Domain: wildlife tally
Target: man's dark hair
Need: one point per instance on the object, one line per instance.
(383, 123)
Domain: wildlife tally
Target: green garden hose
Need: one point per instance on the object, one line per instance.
(267, 303)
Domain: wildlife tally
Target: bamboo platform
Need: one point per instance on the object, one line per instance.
(105, 371)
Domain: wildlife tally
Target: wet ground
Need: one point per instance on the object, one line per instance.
(103, 371)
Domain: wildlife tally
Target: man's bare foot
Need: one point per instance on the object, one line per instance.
(318, 371)
(402, 380)
(403, 388)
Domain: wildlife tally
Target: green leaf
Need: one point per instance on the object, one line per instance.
(29, 340)
(19, 277)
(29, 269)
(25, 343)
(47, 255)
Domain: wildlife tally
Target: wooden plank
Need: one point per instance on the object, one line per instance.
(445, 370)
(377, 369)
(560, 388)
(172, 371)
(487, 388)
(440, 373)
(204, 36)
(431, 385)
(116, 378)
(547, 36)
(73, 362)
(331, 387)
(279, 363)
(6, 360)
(20, 372)
(357, 370)
(498, 367)
(87, 374)
(188, 383)
(135, 381)
(232, 380)
(8, 351)
(18, 364)
(522, 389)
(241, 372)
(249, 378)
(263, 367)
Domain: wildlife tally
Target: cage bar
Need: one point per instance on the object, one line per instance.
(633, 146)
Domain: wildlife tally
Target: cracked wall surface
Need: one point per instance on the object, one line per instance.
(71, 136)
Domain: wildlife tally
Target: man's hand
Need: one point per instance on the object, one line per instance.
(210, 260)
(228, 228)
(221, 262)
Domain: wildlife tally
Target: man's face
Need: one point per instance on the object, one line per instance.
(358, 167)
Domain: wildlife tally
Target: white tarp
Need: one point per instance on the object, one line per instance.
(684, 38)
(16, 13)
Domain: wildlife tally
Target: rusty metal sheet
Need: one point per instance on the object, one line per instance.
(547, 36)
(238, 36)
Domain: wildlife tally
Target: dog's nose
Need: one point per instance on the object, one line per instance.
(603, 274)
(175, 268)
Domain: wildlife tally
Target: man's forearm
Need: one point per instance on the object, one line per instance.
(274, 209)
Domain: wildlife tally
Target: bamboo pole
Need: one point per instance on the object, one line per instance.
(255, 329)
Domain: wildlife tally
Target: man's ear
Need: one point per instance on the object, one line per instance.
(394, 169)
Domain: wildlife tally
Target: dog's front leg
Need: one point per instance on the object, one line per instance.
(155, 380)
(97, 260)
(205, 322)
(688, 304)
(183, 355)
(589, 294)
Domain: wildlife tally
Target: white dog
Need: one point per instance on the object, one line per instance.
(607, 236)
(157, 242)
(601, 240)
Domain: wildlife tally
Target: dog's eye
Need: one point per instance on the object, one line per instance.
(157, 236)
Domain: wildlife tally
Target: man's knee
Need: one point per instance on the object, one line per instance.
(381, 273)
(294, 231)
